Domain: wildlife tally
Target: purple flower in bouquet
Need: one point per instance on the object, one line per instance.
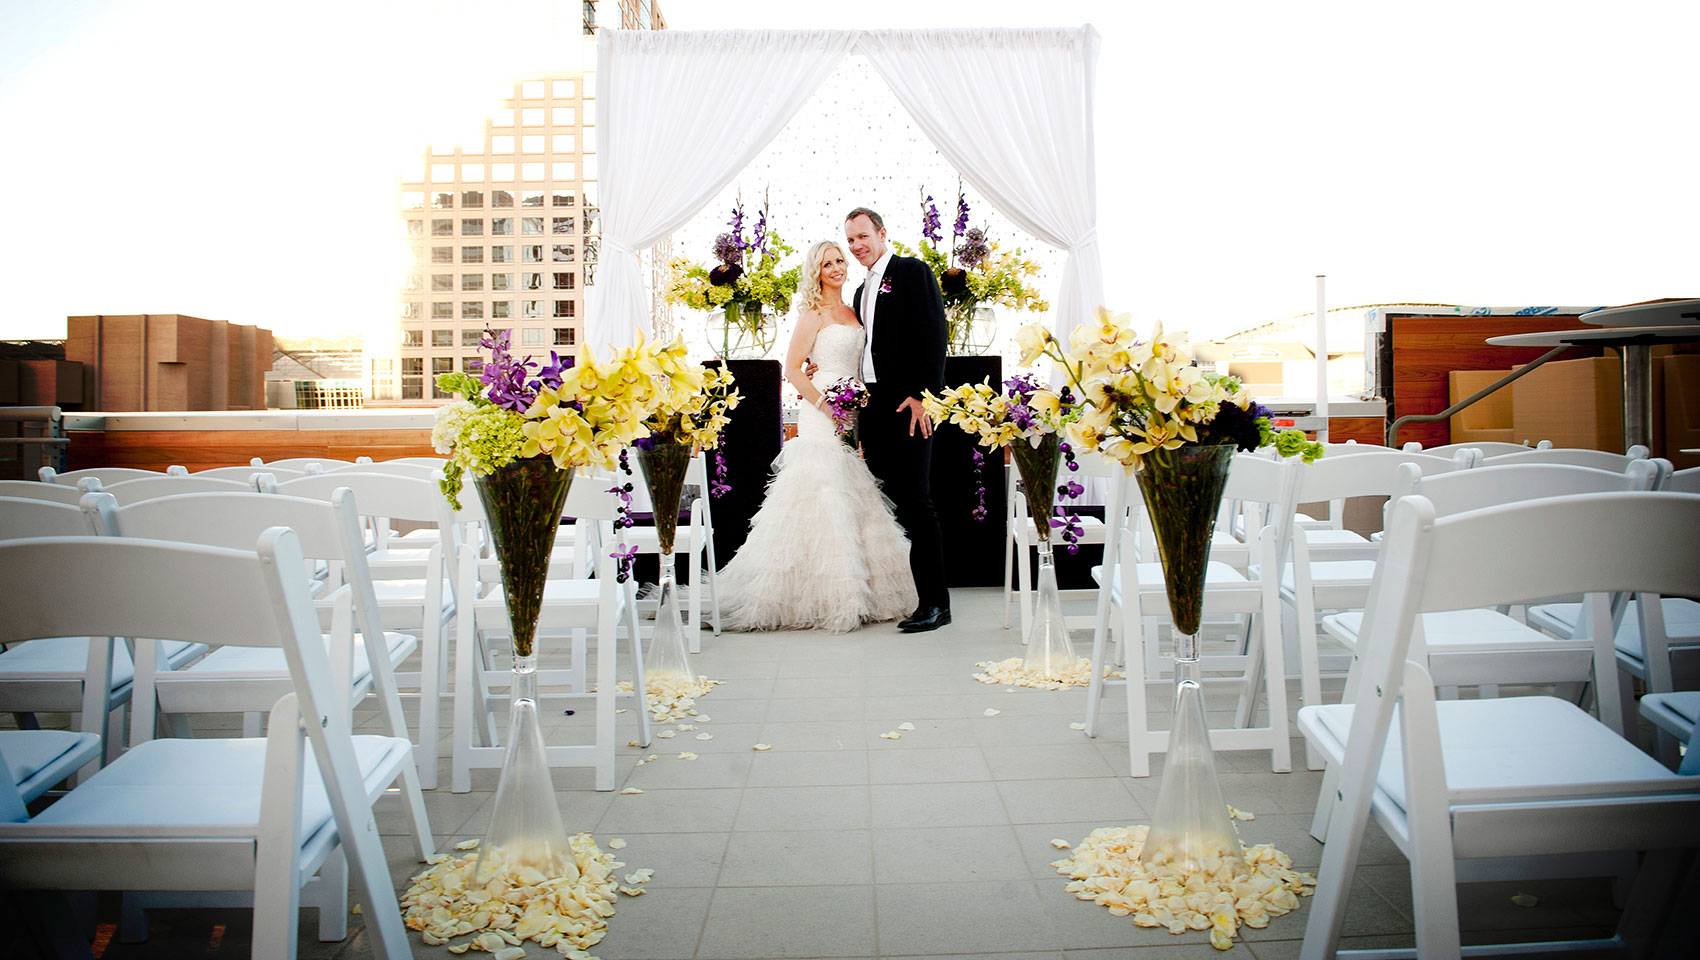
(737, 225)
(961, 225)
(552, 372)
(728, 250)
(930, 221)
(718, 487)
(724, 274)
(504, 377)
(1021, 387)
(975, 248)
(843, 398)
(759, 244)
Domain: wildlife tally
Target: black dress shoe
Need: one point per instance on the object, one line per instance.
(925, 618)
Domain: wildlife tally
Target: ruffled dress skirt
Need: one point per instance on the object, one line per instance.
(824, 551)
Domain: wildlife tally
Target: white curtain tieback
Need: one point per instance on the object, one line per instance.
(615, 247)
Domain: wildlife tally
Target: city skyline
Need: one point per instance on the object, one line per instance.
(1484, 154)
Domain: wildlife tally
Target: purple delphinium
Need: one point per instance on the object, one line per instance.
(758, 244)
(930, 221)
(737, 225)
(961, 225)
(975, 248)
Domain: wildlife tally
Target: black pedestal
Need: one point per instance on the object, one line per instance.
(973, 550)
(749, 443)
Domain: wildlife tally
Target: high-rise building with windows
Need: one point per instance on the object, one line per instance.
(502, 234)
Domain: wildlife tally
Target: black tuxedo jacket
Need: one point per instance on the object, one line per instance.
(909, 328)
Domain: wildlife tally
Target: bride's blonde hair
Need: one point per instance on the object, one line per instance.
(809, 292)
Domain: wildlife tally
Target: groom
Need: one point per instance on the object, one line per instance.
(900, 307)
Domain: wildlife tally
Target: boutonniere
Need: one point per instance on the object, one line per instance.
(885, 284)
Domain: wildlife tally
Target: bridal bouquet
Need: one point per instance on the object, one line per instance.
(577, 411)
(1144, 397)
(843, 398)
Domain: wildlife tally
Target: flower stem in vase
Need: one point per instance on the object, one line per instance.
(522, 503)
(1191, 831)
(1049, 652)
(664, 463)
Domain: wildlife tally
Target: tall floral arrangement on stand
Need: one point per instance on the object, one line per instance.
(972, 274)
(1028, 420)
(690, 420)
(520, 430)
(745, 285)
(1148, 407)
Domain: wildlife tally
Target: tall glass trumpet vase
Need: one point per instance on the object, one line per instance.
(523, 503)
(663, 463)
(1050, 655)
(1191, 831)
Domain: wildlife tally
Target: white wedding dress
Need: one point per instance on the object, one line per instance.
(824, 551)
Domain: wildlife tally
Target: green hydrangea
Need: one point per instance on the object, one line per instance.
(477, 439)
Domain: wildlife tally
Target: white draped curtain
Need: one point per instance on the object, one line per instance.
(681, 113)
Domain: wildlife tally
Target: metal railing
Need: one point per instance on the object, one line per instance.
(40, 439)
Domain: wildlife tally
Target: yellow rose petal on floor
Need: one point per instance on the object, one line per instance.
(891, 735)
(992, 712)
(906, 726)
(702, 719)
(1013, 673)
(618, 843)
(687, 755)
(1077, 725)
(633, 891)
(763, 746)
(666, 734)
(1061, 844)
(705, 736)
(686, 727)
(1106, 868)
(631, 791)
(467, 845)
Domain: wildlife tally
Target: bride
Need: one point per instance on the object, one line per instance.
(824, 551)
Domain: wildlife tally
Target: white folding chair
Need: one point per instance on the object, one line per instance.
(1022, 539)
(1683, 481)
(1137, 600)
(1675, 715)
(36, 490)
(1598, 459)
(238, 679)
(694, 539)
(37, 678)
(413, 593)
(1331, 570)
(105, 474)
(570, 607)
(148, 488)
(1484, 648)
(245, 474)
(306, 464)
(1506, 785)
(1487, 448)
(209, 815)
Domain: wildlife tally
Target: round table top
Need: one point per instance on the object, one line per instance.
(1658, 314)
(1601, 336)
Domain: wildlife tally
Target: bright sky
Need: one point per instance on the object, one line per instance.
(238, 161)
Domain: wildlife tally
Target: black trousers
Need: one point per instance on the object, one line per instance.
(903, 464)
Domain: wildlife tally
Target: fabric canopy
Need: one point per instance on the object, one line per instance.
(679, 118)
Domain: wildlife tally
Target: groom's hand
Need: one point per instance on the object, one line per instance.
(810, 369)
(917, 416)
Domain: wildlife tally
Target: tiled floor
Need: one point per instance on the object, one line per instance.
(838, 843)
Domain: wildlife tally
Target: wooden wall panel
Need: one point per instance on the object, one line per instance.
(1425, 349)
(203, 449)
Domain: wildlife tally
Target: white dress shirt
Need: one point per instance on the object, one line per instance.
(870, 296)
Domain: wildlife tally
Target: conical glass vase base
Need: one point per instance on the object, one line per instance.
(668, 657)
(525, 826)
(1050, 654)
(1191, 831)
